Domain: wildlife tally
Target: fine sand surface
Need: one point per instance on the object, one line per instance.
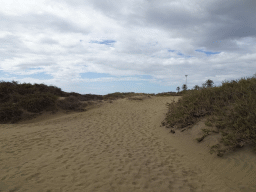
(117, 147)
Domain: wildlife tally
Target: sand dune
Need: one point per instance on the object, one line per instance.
(120, 147)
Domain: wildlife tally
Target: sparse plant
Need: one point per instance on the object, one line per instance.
(207, 131)
(214, 147)
(208, 123)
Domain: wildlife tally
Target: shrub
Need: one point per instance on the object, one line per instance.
(38, 102)
(71, 103)
(9, 112)
(233, 106)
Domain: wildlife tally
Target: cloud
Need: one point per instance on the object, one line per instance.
(162, 39)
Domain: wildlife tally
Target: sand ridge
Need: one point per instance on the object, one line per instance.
(117, 146)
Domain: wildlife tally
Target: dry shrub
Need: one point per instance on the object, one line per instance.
(233, 106)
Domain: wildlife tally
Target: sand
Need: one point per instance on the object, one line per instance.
(118, 146)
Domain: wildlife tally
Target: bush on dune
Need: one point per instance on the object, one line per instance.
(19, 101)
(231, 108)
(71, 103)
(9, 112)
(38, 102)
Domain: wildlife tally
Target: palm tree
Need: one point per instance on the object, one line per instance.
(184, 87)
(178, 89)
(209, 83)
(196, 87)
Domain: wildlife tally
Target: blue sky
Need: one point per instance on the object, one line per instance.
(142, 46)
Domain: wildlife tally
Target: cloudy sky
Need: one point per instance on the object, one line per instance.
(142, 46)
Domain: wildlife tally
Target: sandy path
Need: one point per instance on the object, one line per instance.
(119, 146)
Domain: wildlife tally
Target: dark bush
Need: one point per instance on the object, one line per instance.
(70, 103)
(88, 97)
(41, 88)
(9, 113)
(74, 94)
(4, 97)
(26, 88)
(38, 102)
(35, 98)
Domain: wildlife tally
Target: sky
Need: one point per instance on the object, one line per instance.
(142, 46)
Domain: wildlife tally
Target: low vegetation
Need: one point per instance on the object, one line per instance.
(25, 101)
(230, 108)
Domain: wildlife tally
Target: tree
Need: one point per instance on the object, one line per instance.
(196, 87)
(178, 89)
(209, 83)
(184, 87)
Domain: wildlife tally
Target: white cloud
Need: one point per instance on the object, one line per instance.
(127, 38)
